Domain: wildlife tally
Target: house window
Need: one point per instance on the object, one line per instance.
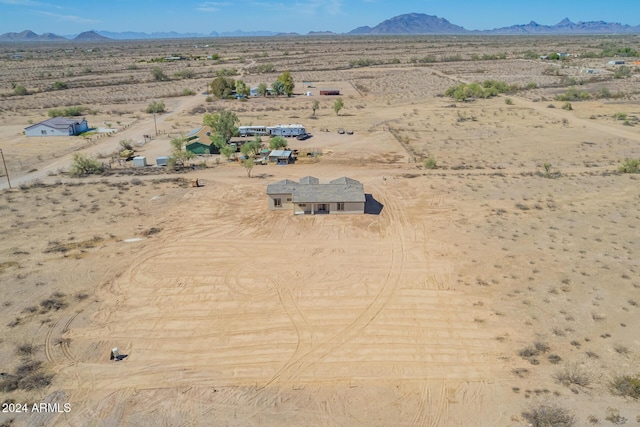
(288, 199)
(340, 206)
(277, 203)
(43, 132)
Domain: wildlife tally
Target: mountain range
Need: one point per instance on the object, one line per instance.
(410, 23)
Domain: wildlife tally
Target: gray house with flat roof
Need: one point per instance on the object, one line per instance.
(309, 197)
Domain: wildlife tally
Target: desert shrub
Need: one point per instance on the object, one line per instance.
(622, 72)
(614, 417)
(188, 92)
(626, 385)
(60, 85)
(20, 90)
(362, 62)
(551, 71)
(155, 107)
(226, 72)
(158, 74)
(185, 74)
(548, 415)
(532, 85)
(52, 303)
(554, 358)
(126, 144)
(573, 94)
(265, 68)
(25, 349)
(66, 112)
(430, 163)
(84, 165)
(508, 101)
(488, 89)
(573, 375)
(630, 166)
(567, 106)
(620, 116)
(35, 381)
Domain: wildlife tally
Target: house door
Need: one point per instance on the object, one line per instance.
(323, 208)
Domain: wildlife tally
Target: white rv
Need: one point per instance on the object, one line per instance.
(286, 130)
(252, 130)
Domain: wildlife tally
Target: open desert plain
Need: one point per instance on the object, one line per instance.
(494, 279)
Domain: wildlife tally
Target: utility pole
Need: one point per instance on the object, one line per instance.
(6, 171)
(154, 122)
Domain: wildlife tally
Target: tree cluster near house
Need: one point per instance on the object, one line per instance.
(224, 87)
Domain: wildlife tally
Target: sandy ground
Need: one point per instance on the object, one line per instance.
(229, 314)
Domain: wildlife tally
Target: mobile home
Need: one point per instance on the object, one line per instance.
(286, 130)
(252, 131)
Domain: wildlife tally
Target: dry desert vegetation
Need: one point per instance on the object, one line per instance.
(498, 284)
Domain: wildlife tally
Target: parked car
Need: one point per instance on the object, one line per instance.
(303, 136)
(341, 131)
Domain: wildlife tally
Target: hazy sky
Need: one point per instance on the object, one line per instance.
(67, 17)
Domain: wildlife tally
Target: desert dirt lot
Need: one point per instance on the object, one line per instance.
(482, 290)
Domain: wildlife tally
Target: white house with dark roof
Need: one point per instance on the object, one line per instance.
(309, 197)
(58, 126)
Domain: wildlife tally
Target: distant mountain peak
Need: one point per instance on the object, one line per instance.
(90, 36)
(564, 22)
(412, 23)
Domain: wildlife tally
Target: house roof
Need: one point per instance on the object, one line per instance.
(59, 123)
(309, 180)
(286, 186)
(194, 132)
(309, 190)
(280, 153)
(327, 193)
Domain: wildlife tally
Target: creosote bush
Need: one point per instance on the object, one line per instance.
(84, 165)
(626, 385)
(573, 375)
(430, 163)
(548, 415)
(630, 166)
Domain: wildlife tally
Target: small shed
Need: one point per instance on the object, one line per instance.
(162, 161)
(333, 92)
(282, 157)
(139, 162)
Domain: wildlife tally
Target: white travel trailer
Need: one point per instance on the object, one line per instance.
(286, 130)
(252, 130)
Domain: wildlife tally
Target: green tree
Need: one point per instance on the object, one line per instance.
(338, 105)
(262, 89)
(158, 74)
(153, 108)
(287, 80)
(84, 165)
(277, 143)
(277, 87)
(242, 88)
(315, 106)
(252, 148)
(179, 154)
(222, 87)
(228, 151)
(223, 123)
(248, 165)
